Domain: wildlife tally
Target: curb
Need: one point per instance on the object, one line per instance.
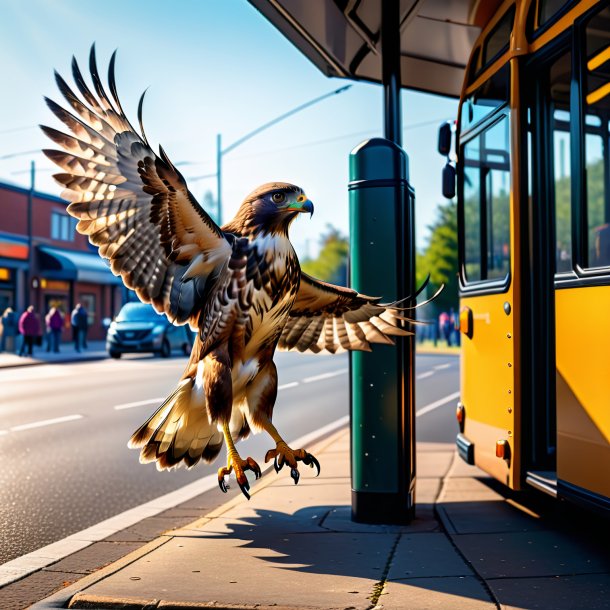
(67, 360)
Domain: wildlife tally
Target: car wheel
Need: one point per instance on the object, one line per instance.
(166, 349)
(114, 354)
(186, 348)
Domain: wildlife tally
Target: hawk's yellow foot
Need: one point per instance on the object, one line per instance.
(237, 464)
(283, 454)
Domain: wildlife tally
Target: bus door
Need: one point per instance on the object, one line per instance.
(568, 422)
(487, 298)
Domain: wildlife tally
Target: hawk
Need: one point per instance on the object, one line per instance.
(239, 286)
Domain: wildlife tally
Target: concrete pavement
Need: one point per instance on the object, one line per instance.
(295, 547)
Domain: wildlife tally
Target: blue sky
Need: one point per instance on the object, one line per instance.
(212, 66)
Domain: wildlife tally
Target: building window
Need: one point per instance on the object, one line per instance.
(62, 226)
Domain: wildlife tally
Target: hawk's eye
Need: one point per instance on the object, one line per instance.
(278, 197)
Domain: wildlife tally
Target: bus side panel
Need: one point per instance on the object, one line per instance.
(583, 387)
(488, 370)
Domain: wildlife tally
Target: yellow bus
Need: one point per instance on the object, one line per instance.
(533, 187)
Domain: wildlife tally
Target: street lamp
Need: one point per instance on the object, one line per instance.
(220, 152)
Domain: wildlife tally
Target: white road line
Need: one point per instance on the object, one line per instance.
(440, 367)
(425, 375)
(325, 376)
(286, 386)
(45, 422)
(437, 404)
(139, 403)
(45, 556)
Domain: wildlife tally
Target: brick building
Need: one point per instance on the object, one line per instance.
(57, 266)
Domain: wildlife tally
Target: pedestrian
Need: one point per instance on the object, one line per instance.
(54, 322)
(444, 322)
(9, 330)
(29, 327)
(80, 324)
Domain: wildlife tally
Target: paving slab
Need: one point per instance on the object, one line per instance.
(530, 554)
(434, 464)
(340, 520)
(20, 594)
(467, 489)
(314, 571)
(487, 517)
(590, 592)
(426, 555)
(455, 593)
(103, 553)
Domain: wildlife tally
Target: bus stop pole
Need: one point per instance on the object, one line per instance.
(383, 263)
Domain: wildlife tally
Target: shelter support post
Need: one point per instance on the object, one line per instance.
(383, 264)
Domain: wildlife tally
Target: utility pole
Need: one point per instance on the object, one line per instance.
(30, 228)
(220, 152)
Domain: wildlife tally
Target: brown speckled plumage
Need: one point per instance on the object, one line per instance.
(240, 286)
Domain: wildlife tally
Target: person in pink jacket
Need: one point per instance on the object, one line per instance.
(29, 327)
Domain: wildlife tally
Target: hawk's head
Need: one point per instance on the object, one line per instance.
(270, 208)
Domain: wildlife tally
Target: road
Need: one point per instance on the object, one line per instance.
(64, 428)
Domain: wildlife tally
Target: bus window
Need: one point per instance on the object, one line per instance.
(597, 109)
(559, 87)
(497, 191)
(548, 9)
(486, 210)
(499, 38)
(472, 205)
(489, 96)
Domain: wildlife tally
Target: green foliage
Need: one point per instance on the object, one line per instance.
(331, 264)
(439, 259)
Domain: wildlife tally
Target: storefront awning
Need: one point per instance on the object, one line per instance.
(78, 266)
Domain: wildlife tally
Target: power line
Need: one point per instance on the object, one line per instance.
(15, 129)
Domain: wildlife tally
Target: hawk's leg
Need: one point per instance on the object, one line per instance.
(283, 454)
(219, 399)
(237, 464)
(261, 394)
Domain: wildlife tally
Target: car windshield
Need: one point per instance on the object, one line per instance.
(139, 312)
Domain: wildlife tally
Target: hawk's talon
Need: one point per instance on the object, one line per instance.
(245, 487)
(239, 466)
(283, 454)
(311, 461)
(222, 472)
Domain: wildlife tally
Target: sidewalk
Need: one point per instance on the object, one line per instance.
(295, 547)
(96, 350)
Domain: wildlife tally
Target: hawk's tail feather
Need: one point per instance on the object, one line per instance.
(178, 431)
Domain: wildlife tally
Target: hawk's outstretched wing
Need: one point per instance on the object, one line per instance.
(131, 203)
(336, 319)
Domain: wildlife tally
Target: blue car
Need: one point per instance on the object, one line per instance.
(139, 328)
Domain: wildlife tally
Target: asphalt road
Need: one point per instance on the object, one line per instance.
(64, 428)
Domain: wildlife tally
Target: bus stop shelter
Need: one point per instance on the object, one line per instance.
(422, 45)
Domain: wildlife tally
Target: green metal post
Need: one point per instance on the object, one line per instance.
(382, 392)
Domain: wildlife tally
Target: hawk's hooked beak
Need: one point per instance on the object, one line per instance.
(302, 204)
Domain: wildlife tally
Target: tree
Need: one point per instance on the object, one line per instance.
(440, 257)
(331, 264)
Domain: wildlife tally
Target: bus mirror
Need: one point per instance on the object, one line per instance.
(444, 138)
(449, 181)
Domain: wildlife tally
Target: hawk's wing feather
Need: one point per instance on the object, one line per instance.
(131, 202)
(332, 318)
